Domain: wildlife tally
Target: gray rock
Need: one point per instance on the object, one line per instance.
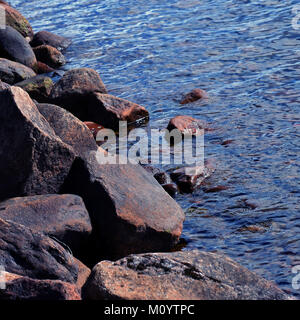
(12, 72)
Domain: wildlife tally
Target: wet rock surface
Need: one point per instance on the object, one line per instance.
(193, 96)
(12, 72)
(187, 125)
(50, 56)
(51, 39)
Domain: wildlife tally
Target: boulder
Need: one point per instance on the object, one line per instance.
(83, 274)
(38, 87)
(171, 189)
(41, 68)
(33, 159)
(51, 39)
(193, 96)
(70, 129)
(15, 20)
(187, 125)
(50, 56)
(13, 46)
(93, 127)
(12, 72)
(29, 253)
(192, 275)
(63, 217)
(129, 210)
(25, 288)
(190, 178)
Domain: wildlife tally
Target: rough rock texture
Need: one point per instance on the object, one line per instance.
(4, 85)
(190, 178)
(32, 254)
(39, 87)
(70, 129)
(129, 210)
(50, 56)
(33, 160)
(63, 217)
(108, 110)
(83, 274)
(12, 72)
(15, 20)
(13, 46)
(41, 68)
(190, 275)
(51, 39)
(193, 96)
(24, 288)
(187, 125)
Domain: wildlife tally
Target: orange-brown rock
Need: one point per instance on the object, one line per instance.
(12, 72)
(192, 275)
(25, 288)
(33, 159)
(93, 127)
(51, 39)
(83, 274)
(15, 20)
(193, 96)
(50, 56)
(41, 68)
(129, 210)
(187, 125)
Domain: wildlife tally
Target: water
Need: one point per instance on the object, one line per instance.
(246, 55)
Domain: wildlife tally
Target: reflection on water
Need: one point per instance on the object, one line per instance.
(246, 55)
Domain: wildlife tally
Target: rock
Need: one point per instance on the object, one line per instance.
(93, 127)
(170, 188)
(187, 125)
(38, 87)
(41, 68)
(12, 72)
(215, 189)
(15, 20)
(192, 275)
(109, 110)
(51, 39)
(161, 176)
(50, 56)
(70, 129)
(227, 142)
(33, 160)
(4, 85)
(129, 210)
(73, 89)
(193, 96)
(24, 288)
(63, 217)
(29, 253)
(190, 178)
(13, 46)
(83, 274)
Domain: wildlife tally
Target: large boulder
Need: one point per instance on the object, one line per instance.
(63, 217)
(29, 253)
(13, 46)
(70, 129)
(25, 288)
(15, 20)
(38, 87)
(33, 159)
(50, 56)
(12, 72)
(129, 210)
(190, 275)
(51, 39)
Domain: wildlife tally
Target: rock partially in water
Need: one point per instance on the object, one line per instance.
(193, 96)
(33, 159)
(41, 68)
(13, 46)
(12, 72)
(170, 188)
(50, 56)
(192, 275)
(68, 128)
(51, 39)
(25, 288)
(38, 87)
(187, 125)
(130, 212)
(25, 252)
(15, 20)
(63, 217)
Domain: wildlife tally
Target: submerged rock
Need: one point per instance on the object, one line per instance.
(51, 39)
(187, 125)
(63, 217)
(12, 72)
(13, 46)
(193, 96)
(38, 87)
(129, 210)
(33, 159)
(50, 56)
(193, 275)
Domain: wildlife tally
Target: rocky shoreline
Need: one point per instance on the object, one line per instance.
(73, 229)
